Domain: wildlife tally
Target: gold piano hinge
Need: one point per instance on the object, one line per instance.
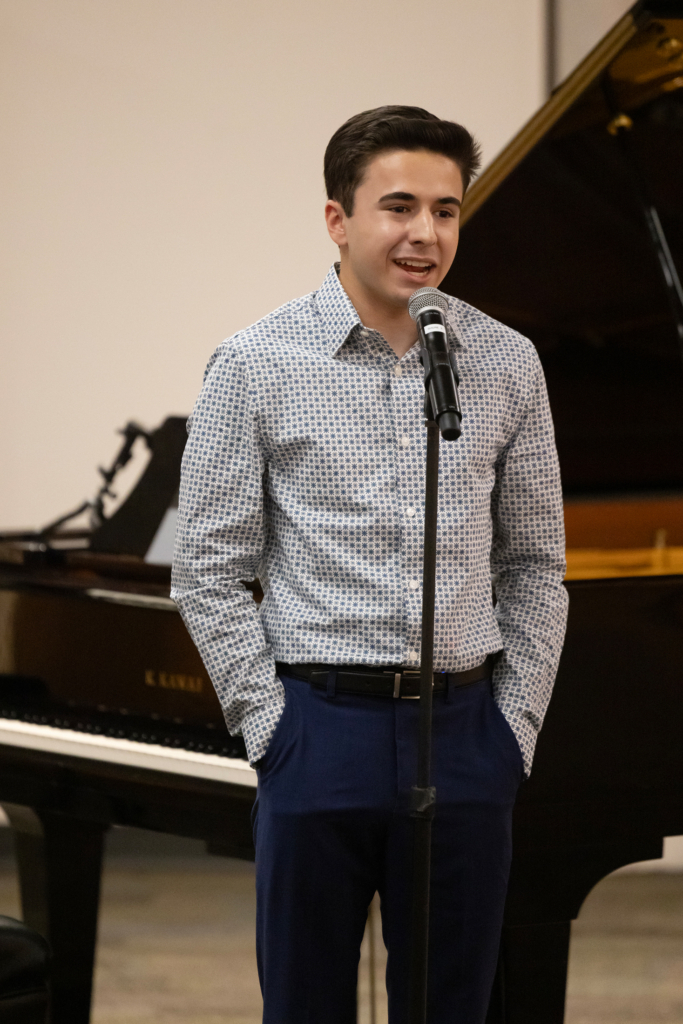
(618, 122)
(669, 48)
(174, 681)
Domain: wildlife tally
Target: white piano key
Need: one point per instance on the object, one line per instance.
(152, 756)
(164, 604)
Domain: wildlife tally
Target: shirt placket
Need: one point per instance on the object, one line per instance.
(406, 391)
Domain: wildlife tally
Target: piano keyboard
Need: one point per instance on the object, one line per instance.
(150, 756)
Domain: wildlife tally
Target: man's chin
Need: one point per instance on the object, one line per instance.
(401, 295)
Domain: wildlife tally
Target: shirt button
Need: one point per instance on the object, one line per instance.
(410, 512)
(411, 655)
(364, 333)
(404, 441)
(413, 584)
(398, 370)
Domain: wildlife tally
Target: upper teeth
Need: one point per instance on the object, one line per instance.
(413, 263)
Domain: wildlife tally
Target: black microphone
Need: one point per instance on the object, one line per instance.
(427, 307)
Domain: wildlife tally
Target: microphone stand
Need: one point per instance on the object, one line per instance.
(423, 795)
(441, 380)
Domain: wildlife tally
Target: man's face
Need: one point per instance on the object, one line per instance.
(404, 229)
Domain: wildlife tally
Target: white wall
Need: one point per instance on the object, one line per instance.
(580, 24)
(162, 188)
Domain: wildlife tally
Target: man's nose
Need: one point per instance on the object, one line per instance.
(422, 228)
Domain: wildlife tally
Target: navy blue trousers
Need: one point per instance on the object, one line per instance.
(332, 827)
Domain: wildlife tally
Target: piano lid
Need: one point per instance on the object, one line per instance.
(555, 243)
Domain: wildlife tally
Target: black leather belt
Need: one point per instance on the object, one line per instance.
(382, 681)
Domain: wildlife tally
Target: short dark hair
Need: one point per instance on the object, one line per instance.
(363, 136)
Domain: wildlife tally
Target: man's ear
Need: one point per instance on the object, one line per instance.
(335, 218)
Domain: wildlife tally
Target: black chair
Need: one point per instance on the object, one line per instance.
(24, 962)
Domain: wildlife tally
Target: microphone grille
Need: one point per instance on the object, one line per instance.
(426, 297)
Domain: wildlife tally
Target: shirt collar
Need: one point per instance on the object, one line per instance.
(337, 311)
(340, 317)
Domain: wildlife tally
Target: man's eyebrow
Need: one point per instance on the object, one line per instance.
(408, 197)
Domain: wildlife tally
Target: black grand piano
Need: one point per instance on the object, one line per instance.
(573, 236)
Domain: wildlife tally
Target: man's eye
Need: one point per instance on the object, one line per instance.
(444, 214)
(398, 209)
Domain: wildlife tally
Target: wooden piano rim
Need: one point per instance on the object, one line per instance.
(611, 563)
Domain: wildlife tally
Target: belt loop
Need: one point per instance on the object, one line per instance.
(331, 683)
(449, 687)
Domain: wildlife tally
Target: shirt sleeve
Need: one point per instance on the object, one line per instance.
(219, 544)
(528, 567)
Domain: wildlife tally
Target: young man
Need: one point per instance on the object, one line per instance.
(305, 468)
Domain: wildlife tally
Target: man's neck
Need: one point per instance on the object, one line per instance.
(392, 322)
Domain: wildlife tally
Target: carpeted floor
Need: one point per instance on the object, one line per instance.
(177, 935)
(626, 959)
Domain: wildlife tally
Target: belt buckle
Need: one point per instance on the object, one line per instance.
(415, 673)
(397, 683)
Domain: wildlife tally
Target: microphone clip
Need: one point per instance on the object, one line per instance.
(430, 362)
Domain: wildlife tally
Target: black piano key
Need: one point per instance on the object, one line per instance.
(174, 734)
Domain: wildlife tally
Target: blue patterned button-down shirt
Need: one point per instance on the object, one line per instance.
(304, 468)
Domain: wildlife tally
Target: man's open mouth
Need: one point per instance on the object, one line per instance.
(420, 267)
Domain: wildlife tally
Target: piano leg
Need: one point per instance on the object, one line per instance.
(547, 888)
(60, 863)
(531, 977)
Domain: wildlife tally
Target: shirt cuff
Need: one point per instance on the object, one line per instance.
(258, 728)
(526, 736)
